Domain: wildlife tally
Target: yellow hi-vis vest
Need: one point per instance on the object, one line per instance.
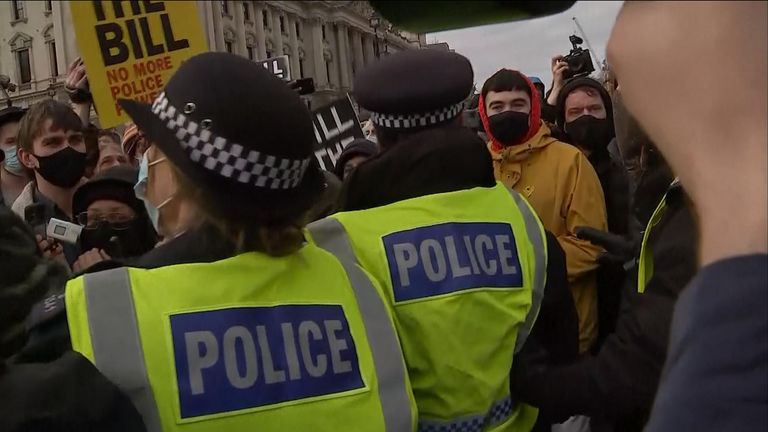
(250, 343)
(645, 262)
(464, 273)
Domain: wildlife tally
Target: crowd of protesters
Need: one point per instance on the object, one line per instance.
(579, 325)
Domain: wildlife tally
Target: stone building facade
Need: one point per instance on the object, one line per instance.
(328, 41)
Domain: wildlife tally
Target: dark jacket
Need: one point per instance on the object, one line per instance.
(63, 394)
(450, 159)
(436, 160)
(616, 386)
(716, 374)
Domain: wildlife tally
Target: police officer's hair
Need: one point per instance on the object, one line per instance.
(277, 239)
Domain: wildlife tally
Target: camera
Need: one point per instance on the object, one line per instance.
(579, 60)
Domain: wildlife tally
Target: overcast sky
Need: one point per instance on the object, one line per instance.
(529, 45)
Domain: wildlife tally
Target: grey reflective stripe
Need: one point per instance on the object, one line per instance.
(499, 413)
(329, 234)
(539, 243)
(116, 341)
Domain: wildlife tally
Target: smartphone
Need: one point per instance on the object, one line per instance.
(305, 85)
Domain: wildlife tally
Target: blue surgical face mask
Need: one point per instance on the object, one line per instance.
(12, 163)
(153, 211)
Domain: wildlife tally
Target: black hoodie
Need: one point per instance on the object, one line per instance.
(613, 176)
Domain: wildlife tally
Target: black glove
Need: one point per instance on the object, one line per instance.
(618, 249)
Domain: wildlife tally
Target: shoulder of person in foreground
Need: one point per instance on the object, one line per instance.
(67, 394)
(718, 341)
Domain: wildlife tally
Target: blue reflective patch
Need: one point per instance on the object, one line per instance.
(441, 259)
(240, 358)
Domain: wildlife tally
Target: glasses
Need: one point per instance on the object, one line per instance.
(118, 221)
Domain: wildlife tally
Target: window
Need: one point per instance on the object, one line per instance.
(265, 18)
(251, 52)
(48, 5)
(52, 58)
(246, 12)
(228, 46)
(328, 71)
(25, 71)
(282, 24)
(18, 9)
(298, 30)
(269, 54)
(323, 31)
(301, 68)
(225, 7)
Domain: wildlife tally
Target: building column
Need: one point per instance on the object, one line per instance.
(261, 39)
(357, 44)
(294, 42)
(343, 57)
(370, 53)
(240, 48)
(218, 27)
(62, 58)
(321, 75)
(277, 34)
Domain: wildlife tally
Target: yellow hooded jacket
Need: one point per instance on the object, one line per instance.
(563, 188)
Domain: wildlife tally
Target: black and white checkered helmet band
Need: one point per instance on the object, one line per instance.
(229, 159)
(407, 121)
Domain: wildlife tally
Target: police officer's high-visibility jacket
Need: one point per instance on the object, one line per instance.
(250, 343)
(464, 273)
(645, 262)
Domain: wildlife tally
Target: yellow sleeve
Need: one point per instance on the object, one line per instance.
(585, 207)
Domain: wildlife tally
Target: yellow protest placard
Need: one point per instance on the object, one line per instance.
(131, 48)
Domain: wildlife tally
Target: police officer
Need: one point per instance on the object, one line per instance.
(283, 336)
(462, 260)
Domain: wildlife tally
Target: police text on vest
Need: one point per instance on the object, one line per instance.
(446, 258)
(240, 358)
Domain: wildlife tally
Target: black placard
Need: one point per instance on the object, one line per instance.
(280, 66)
(336, 126)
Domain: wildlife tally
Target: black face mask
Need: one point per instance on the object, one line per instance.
(590, 133)
(118, 243)
(508, 127)
(64, 168)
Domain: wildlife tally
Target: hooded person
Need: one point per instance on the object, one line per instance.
(556, 178)
(356, 153)
(115, 222)
(585, 113)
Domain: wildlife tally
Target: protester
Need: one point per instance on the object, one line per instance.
(110, 151)
(616, 386)
(269, 287)
(134, 144)
(115, 222)
(50, 143)
(553, 176)
(585, 113)
(357, 152)
(434, 183)
(63, 394)
(13, 175)
(714, 137)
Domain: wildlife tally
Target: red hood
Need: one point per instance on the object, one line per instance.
(534, 119)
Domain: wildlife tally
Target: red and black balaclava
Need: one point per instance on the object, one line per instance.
(510, 128)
